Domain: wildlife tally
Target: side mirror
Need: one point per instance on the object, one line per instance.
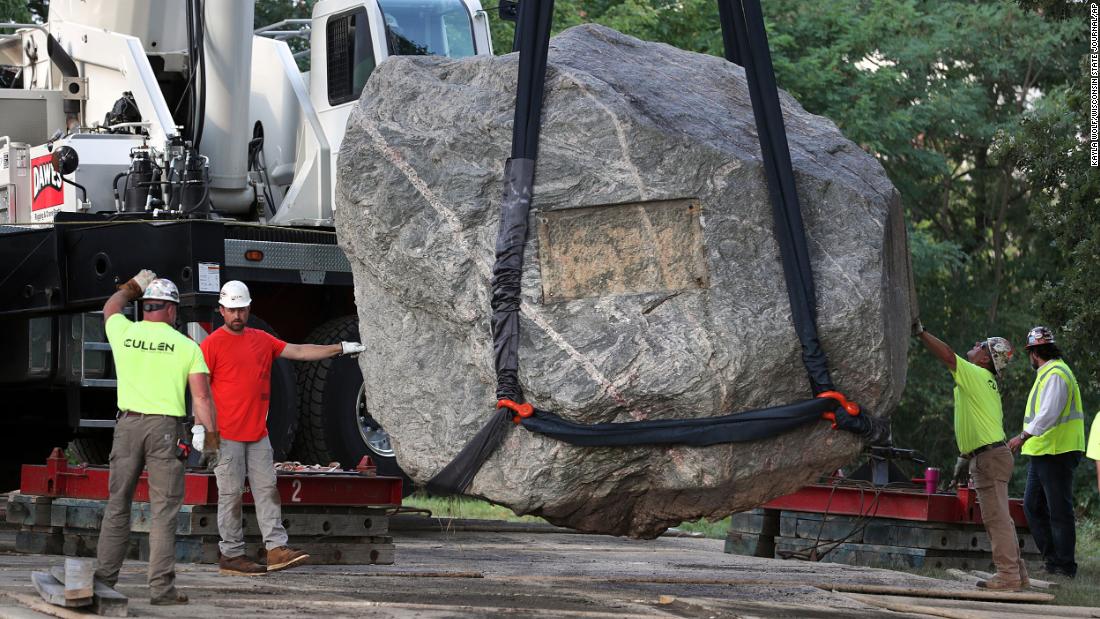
(508, 10)
(65, 160)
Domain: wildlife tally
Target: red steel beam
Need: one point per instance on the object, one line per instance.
(56, 478)
(841, 500)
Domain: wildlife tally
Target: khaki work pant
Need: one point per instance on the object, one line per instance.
(143, 441)
(991, 470)
(256, 461)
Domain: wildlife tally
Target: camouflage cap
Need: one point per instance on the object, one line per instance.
(1001, 351)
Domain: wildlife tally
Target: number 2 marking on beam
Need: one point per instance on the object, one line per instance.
(295, 497)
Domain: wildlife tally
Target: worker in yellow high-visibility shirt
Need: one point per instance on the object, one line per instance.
(980, 435)
(155, 365)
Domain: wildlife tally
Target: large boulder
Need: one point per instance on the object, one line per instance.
(652, 283)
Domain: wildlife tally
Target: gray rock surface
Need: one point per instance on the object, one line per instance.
(672, 308)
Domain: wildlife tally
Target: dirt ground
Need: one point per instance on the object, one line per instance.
(445, 573)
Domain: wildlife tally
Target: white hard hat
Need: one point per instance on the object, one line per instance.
(234, 294)
(162, 290)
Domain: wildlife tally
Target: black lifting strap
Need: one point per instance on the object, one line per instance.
(743, 25)
(746, 44)
(533, 37)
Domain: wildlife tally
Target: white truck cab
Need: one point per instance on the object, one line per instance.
(348, 39)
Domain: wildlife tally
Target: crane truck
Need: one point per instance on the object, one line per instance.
(173, 135)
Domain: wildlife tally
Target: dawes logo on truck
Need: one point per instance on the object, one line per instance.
(47, 191)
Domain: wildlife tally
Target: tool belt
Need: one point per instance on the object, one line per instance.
(983, 448)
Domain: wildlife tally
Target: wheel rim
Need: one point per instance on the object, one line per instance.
(374, 437)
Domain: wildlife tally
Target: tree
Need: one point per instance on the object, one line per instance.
(39, 9)
(1053, 151)
(937, 90)
(14, 11)
(272, 11)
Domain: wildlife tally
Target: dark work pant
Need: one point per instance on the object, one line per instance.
(1048, 504)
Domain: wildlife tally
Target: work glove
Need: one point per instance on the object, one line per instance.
(209, 447)
(137, 284)
(351, 348)
(917, 327)
(203, 440)
(962, 471)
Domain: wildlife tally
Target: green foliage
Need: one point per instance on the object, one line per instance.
(464, 507)
(270, 12)
(1053, 152)
(942, 93)
(476, 509)
(1085, 589)
(717, 529)
(14, 11)
(39, 9)
(1051, 149)
(690, 24)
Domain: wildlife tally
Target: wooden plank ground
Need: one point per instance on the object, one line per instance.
(484, 574)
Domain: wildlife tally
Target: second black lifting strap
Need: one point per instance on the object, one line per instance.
(519, 175)
(507, 276)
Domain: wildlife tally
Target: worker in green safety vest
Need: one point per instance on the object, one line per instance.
(980, 435)
(1054, 438)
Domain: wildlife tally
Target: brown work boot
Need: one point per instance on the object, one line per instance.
(171, 598)
(1000, 583)
(1025, 582)
(283, 557)
(240, 566)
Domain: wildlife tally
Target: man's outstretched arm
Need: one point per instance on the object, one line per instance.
(310, 352)
(316, 352)
(938, 349)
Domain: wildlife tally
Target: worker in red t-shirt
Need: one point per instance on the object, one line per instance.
(239, 359)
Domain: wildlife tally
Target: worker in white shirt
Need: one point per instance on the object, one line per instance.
(1054, 438)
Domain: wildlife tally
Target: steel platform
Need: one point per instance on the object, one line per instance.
(842, 499)
(57, 478)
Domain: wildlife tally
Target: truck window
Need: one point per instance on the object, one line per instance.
(350, 55)
(423, 27)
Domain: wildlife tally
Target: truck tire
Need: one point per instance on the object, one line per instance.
(335, 424)
(282, 413)
(94, 448)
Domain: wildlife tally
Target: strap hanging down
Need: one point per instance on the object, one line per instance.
(519, 178)
(533, 36)
(746, 43)
(743, 25)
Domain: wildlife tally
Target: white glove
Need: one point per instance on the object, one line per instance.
(351, 348)
(143, 278)
(198, 437)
